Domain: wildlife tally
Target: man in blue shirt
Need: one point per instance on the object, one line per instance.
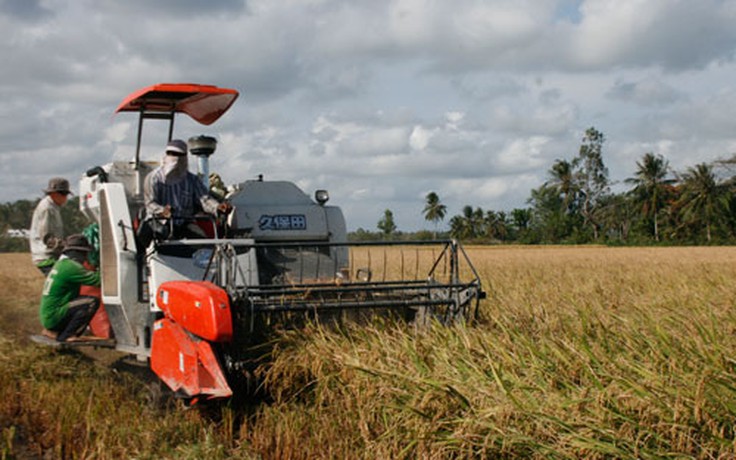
(173, 193)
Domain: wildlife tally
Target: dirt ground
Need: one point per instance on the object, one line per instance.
(20, 293)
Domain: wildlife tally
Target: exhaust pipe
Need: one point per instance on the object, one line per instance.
(202, 147)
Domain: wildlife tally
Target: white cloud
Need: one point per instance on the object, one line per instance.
(522, 155)
(674, 34)
(454, 119)
(419, 138)
(650, 91)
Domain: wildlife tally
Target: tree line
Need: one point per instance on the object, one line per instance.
(576, 205)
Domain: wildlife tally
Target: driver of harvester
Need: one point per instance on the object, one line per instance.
(174, 194)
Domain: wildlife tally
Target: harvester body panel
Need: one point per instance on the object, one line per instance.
(187, 364)
(118, 266)
(278, 211)
(199, 307)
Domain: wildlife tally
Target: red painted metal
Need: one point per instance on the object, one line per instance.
(100, 322)
(200, 307)
(204, 103)
(186, 363)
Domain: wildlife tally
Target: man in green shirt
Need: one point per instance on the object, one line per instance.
(64, 313)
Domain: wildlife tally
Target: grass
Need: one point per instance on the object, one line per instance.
(580, 352)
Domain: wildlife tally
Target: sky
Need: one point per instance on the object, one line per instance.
(377, 101)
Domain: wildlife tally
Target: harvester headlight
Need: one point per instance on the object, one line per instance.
(321, 196)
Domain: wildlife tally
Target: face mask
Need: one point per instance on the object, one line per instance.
(174, 168)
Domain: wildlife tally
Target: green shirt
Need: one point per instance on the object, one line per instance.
(62, 286)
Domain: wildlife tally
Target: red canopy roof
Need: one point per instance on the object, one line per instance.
(204, 103)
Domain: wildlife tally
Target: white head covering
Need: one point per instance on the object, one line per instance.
(175, 165)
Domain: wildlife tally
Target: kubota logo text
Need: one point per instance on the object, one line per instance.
(283, 222)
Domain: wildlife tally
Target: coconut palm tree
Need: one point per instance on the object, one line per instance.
(434, 211)
(703, 199)
(468, 224)
(459, 227)
(562, 179)
(617, 214)
(497, 225)
(478, 222)
(650, 184)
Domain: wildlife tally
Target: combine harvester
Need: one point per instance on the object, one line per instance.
(195, 309)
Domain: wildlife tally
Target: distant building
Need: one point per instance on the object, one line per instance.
(18, 233)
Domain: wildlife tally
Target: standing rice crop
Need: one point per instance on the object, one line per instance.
(579, 352)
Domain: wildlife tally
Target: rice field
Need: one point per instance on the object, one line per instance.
(580, 352)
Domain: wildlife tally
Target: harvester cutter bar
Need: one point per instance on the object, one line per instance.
(293, 289)
(323, 306)
(268, 299)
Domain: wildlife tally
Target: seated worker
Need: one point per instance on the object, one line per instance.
(64, 313)
(172, 192)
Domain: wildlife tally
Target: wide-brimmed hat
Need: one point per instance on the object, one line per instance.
(58, 185)
(176, 147)
(76, 242)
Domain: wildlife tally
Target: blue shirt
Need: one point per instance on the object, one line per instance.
(185, 196)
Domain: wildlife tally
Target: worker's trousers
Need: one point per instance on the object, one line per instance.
(81, 311)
